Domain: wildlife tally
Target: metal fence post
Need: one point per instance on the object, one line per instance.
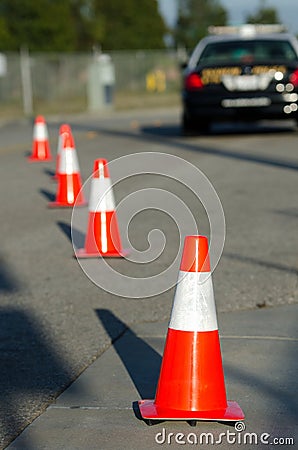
(26, 81)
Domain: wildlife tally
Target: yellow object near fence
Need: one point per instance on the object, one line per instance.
(156, 81)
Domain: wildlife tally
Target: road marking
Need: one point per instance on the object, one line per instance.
(104, 408)
(274, 338)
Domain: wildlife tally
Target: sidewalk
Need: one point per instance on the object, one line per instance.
(98, 411)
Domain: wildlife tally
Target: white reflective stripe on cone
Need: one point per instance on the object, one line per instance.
(193, 306)
(101, 170)
(40, 132)
(69, 162)
(103, 229)
(101, 195)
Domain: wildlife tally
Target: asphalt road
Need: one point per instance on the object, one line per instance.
(50, 331)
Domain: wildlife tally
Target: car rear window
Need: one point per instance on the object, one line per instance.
(248, 51)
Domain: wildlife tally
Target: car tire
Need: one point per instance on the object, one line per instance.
(192, 127)
(188, 125)
(203, 126)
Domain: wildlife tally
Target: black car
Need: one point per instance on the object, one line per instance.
(243, 73)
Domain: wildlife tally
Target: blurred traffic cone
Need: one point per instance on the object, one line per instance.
(191, 382)
(40, 145)
(64, 129)
(69, 188)
(103, 237)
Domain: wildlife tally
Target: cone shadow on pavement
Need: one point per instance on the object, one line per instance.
(32, 373)
(72, 233)
(47, 194)
(8, 282)
(141, 361)
(49, 172)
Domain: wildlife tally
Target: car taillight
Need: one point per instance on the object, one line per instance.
(294, 78)
(193, 81)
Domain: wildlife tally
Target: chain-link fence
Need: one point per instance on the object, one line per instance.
(67, 83)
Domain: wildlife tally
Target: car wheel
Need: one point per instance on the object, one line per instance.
(203, 126)
(189, 126)
(193, 127)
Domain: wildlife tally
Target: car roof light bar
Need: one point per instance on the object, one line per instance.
(247, 29)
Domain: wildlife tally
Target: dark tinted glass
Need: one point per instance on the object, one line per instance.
(248, 51)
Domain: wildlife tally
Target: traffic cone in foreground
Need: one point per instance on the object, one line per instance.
(191, 382)
(64, 129)
(69, 187)
(102, 237)
(40, 145)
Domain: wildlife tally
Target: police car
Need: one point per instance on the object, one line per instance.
(245, 73)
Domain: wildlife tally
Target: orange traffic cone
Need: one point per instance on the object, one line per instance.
(191, 382)
(69, 188)
(64, 129)
(103, 237)
(40, 146)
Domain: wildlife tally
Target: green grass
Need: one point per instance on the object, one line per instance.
(121, 101)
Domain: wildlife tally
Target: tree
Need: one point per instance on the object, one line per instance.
(263, 15)
(69, 25)
(130, 24)
(194, 17)
(89, 27)
(38, 25)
